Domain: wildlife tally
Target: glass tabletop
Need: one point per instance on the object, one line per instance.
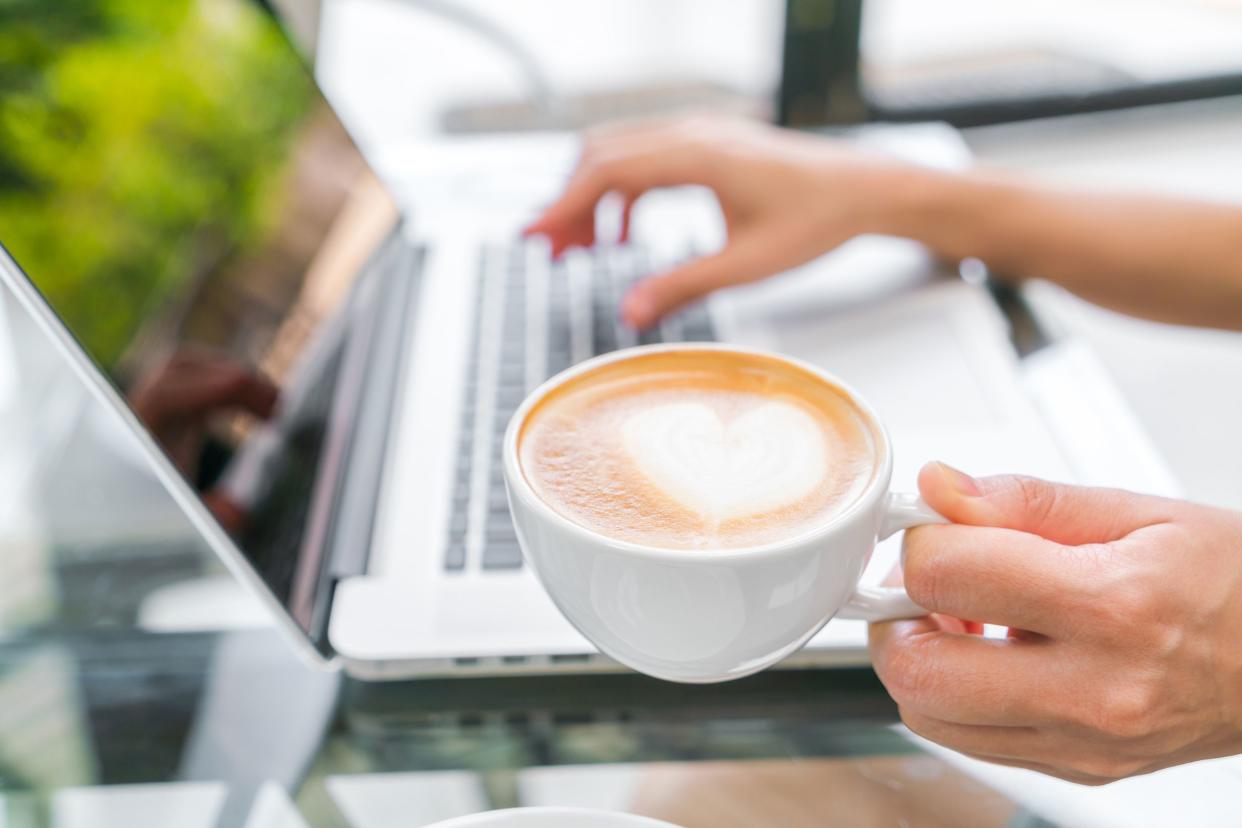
(223, 728)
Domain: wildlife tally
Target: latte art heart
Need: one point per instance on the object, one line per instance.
(770, 456)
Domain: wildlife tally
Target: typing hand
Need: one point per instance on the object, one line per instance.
(1124, 612)
(786, 198)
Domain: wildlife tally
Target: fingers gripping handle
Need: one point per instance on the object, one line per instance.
(879, 603)
(905, 511)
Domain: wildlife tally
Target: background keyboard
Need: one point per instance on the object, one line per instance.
(534, 318)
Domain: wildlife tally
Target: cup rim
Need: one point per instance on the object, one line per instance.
(520, 487)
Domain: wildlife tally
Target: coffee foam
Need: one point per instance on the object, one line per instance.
(697, 449)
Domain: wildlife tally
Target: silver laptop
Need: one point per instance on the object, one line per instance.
(322, 380)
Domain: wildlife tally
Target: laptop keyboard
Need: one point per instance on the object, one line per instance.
(534, 318)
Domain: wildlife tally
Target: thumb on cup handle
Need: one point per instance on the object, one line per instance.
(882, 603)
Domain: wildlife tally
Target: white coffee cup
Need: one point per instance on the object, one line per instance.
(551, 818)
(712, 615)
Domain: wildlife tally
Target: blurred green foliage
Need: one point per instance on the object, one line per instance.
(140, 141)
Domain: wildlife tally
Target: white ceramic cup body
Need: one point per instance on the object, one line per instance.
(710, 615)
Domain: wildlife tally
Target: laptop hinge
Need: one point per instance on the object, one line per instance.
(357, 497)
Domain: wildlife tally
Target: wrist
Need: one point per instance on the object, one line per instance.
(954, 214)
(918, 203)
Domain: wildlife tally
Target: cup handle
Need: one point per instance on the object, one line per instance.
(881, 603)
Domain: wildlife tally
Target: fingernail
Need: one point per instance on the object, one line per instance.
(961, 482)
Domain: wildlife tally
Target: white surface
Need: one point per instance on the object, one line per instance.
(183, 804)
(1199, 794)
(180, 804)
(610, 787)
(213, 602)
(406, 800)
(1091, 422)
(274, 809)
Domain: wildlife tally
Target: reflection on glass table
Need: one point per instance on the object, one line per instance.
(126, 728)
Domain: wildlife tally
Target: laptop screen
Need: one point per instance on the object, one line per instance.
(175, 186)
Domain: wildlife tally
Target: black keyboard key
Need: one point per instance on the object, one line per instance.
(604, 328)
(457, 524)
(560, 335)
(502, 556)
(511, 392)
(501, 549)
(455, 556)
(513, 370)
(498, 524)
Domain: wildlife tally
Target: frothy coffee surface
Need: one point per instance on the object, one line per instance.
(697, 450)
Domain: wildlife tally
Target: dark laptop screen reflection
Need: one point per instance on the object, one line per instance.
(180, 193)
